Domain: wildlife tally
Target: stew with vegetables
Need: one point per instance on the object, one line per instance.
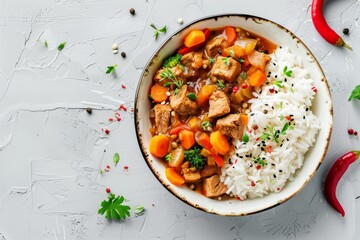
(200, 104)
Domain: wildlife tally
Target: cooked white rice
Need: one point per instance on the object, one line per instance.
(242, 174)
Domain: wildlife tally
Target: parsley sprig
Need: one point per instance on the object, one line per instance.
(273, 133)
(211, 60)
(158, 31)
(278, 83)
(205, 125)
(167, 73)
(226, 61)
(111, 69)
(355, 94)
(61, 46)
(287, 72)
(113, 208)
(220, 84)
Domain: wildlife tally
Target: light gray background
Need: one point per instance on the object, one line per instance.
(51, 149)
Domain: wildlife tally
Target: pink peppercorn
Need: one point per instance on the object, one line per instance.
(350, 131)
(244, 86)
(108, 190)
(235, 89)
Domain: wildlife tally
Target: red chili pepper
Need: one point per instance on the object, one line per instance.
(322, 27)
(219, 161)
(183, 50)
(336, 172)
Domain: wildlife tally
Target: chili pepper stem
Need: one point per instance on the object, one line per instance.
(340, 42)
(357, 153)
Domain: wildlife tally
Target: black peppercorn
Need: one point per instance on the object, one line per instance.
(132, 11)
(346, 31)
(88, 110)
(123, 54)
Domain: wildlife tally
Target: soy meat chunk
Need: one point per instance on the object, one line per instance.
(226, 69)
(182, 104)
(213, 187)
(230, 126)
(259, 59)
(219, 104)
(215, 45)
(193, 60)
(162, 118)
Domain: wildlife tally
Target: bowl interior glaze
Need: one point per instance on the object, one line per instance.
(322, 108)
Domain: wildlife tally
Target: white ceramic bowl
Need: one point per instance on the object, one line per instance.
(322, 107)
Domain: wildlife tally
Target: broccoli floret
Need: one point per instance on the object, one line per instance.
(195, 158)
(172, 61)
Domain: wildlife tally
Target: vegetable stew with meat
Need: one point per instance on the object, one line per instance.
(200, 104)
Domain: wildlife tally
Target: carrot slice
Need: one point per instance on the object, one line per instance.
(194, 38)
(230, 34)
(257, 78)
(159, 145)
(158, 93)
(219, 142)
(187, 138)
(204, 94)
(174, 177)
(244, 119)
(194, 123)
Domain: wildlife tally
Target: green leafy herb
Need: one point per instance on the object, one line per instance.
(195, 158)
(205, 125)
(172, 61)
(292, 90)
(139, 209)
(273, 133)
(291, 127)
(176, 91)
(111, 69)
(241, 60)
(116, 158)
(167, 73)
(192, 96)
(281, 117)
(113, 208)
(101, 171)
(287, 72)
(278, 83)
(259, 161)
(226, 61)
(243, 75)
(46, 43)
(220, 84)
(211, 60)
(355, 94)
(61, 46)
(158, 31)
(168, 157)
(245, 138)
(281, 104)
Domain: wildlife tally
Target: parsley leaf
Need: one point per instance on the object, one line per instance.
(139, 209)
(111, 69)
(168, 157)
(195, 158)
(226, 61)
(355, 94)
(46, 43)
(157, 31)
(245, 138)
(241, 60)
(220, 84)
(243, 75)
(116, 158)
(259, 161)
(278, 83)
(211, 60)
(205, 125)
(192, 96)
(281, 104)
(61, 46)
(287, 72)
(113, 208)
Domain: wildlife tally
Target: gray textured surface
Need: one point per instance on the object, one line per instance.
(51, 149)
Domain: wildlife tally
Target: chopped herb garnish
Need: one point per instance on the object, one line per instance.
(101, 171)
(168, 157)
(278, 83)
(226, 61)
(291, 127)
(192, 96)
(157, 31)
(205, 125)
(287, 72)
(111, 69)
(113, 208)
(61, 46)
(241, 60)
(243, 75)
(220, 84)
(46, 44)
(355, 94)
(116, 158)
(195, 158)
(281, 117)
(167, 73)
(259, 161)
(139, 209)
(245, 138)
(292, 90)
(274, 134)
(211, 60)
(232, 54)
(281, 104)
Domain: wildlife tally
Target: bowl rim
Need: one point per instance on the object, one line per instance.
(139, 134)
